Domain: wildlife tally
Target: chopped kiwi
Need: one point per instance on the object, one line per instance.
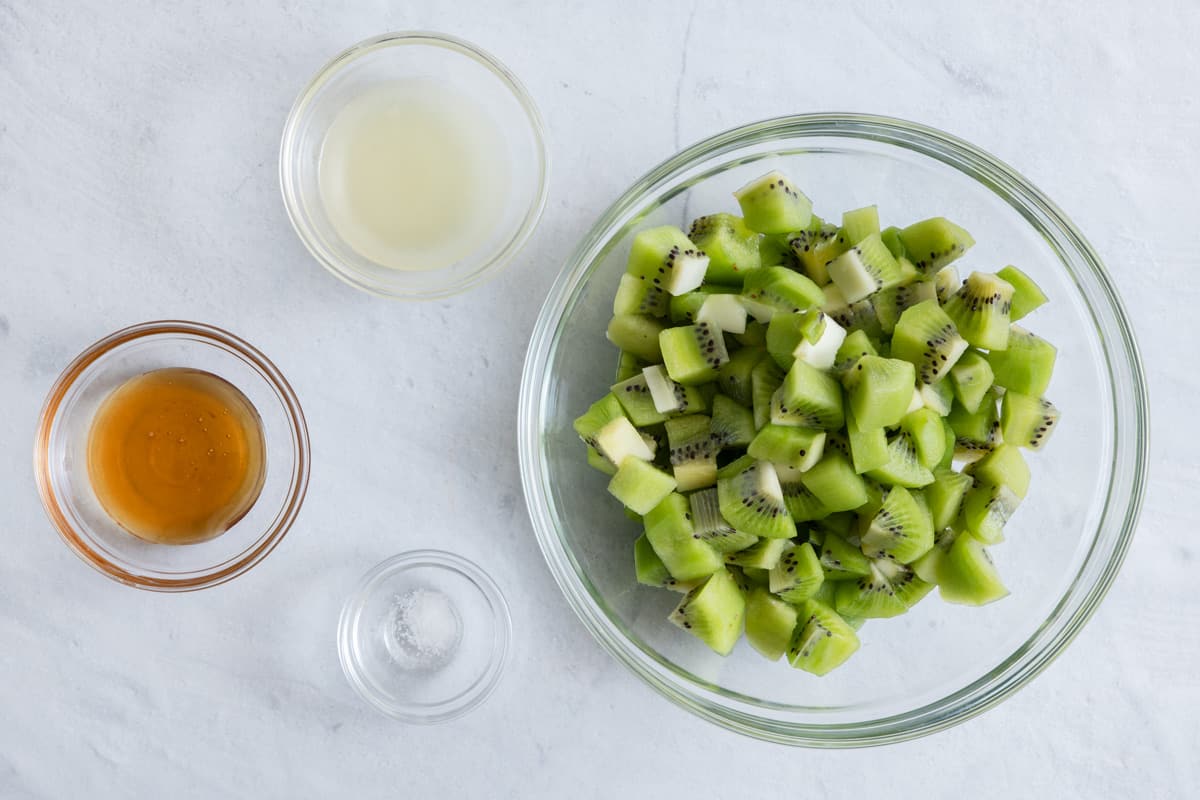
(814, 249)
(945, 495)
(733, 377)
(840, 559)
(835, 484)
(926, 338)
(771, 290)
(1027, 295)
(822, 641)
(864, 269)
(763, 554)
(931, 244)
(868, 374)
(798, 574)
(1026, 365)
(868, 447)
(732, 424)
(769, 623)
(639, 485)
(986, 510)
(980, 309)
(808, 397)
(967, 575)
(665, 258)
(693, 451)
(668, 527)
(1027, 421)
(637, 334)
(713, 612)
(752, 501)
(651, 571)
(924, 428)
(732, 247)
(879, 390)
(638, 296)
(888, 590)
(901, 530)
(712, 528)
(860, 223)
(786, 444)
(693, 353)
(771, 204)
(971, 378)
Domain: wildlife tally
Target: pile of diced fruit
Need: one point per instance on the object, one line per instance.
(816, 424)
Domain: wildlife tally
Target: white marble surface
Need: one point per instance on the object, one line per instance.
(138, 180)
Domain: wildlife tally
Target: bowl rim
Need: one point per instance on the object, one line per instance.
(288, 155)
(1131, 435)
(207, 577)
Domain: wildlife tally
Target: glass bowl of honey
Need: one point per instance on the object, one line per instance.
(172, 456)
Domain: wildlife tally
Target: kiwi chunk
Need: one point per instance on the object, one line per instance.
(835, 484)
(931, 244)
(771, 204)
(868, 448)
(669, 529)
(786, 331)
(669, 396)
(639, 485)
(971, 377)
(785, 444)
(1027, 421)
(693, 353)
(808, 398)
(925, 337)
(650, 569)
(842, 560)
(733, 377)
(636, 295)
(901, 530)
(770, 623)
(634, 397)
(712, 528)
(802, 504)
(879, 390)
(597, 461)
(763, 554)
(1003, 466)
(1026, 365)
(924, 428)
(945, 283)
(945, 495)
(864, 269)
(980, 309)
(664, 257)
(888, 590)
(986, 509)
(731, 246)
(637, 334)
(725, 311)
(732, 424)
(975, 433)
(771, 290)
(859, 315)
(693, 451)
(889, 304)
(860, 223)
(856, 345)
(1027, 295)
(822, 641)
(904, 468)
(713, 612)
(967, 576)
(765, 380)
(937, 397)
(815, 248)
(599, 414)
(797, 575)
(752, 501)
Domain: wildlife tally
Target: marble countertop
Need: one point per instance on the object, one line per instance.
(138, 148)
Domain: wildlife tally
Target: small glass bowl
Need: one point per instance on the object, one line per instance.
(939, 664)
(375, 637)
(60, 456)
(471, 72)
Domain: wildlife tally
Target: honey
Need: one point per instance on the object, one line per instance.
(176, 456)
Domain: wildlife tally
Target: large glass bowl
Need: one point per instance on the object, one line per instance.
(939, 664)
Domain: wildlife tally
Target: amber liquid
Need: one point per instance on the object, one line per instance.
(176, 456)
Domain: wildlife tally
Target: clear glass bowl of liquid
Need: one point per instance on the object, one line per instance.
(413, 165)
(113, 526)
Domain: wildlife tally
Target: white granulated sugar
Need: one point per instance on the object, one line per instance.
(425, 629)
